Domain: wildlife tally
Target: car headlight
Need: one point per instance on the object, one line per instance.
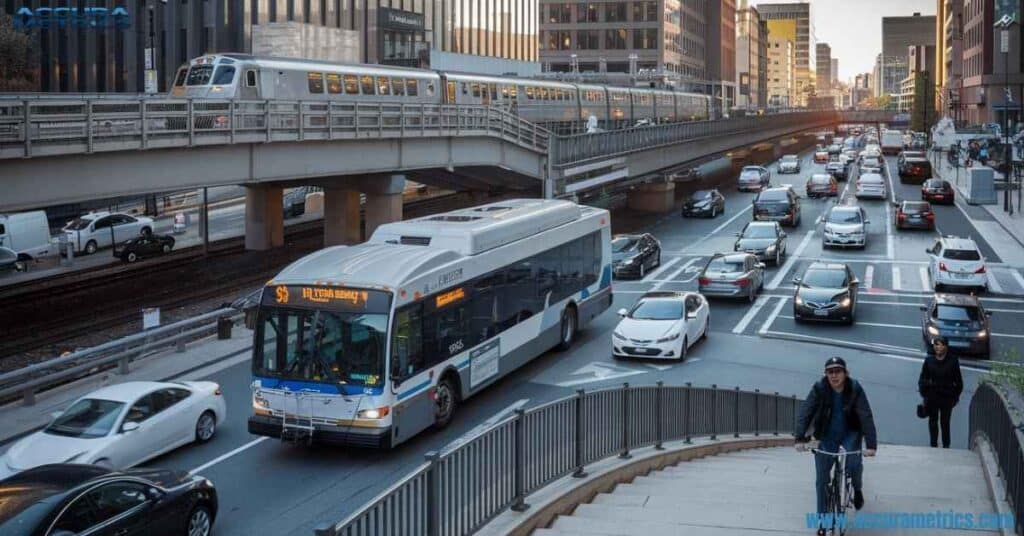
(932, 330)
(798, 300)
(618, 335)
(982, 334)
(375, 413)
(671, 337)
(845, 302)
(770, 248)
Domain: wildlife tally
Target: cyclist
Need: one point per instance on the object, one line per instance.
(837, 408)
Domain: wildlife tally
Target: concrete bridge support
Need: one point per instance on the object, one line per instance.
(383, 200)
(653, 197)
(341, 215)
(264, 217)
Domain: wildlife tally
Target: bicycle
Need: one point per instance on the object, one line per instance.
(839, 497)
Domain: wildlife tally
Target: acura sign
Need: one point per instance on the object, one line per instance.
(98, 18)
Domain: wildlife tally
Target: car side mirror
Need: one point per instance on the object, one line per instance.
(691, 314)
(929, 251)
(55, 414)
(923, 307)
(796, 280)
(154, 494)
(622, 312)
(782, 234)
(867, 222)
(737, 234)
(988, 314)
(761, 265)
(129, 426)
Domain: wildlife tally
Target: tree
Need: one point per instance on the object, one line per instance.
(923, 114)
(18, 58)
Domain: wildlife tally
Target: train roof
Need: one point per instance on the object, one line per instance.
(279, 62)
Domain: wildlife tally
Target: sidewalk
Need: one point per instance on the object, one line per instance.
(1005, 233)
(200, 358)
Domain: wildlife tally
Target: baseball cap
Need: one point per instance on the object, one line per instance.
(835, 362)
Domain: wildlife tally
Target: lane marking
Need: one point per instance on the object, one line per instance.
(869, 276)
(672, 277)
(790, 259)
(662, 268)
(741, 326)
(916, 328)
(1018, 277)
(993, 282)
(876, 259)
(917, 305)
(484, 426)
(599, 372)
(771, 318)
(228, 454)
(925, 282)
(716, 230)
(896, 282)
(889, 237)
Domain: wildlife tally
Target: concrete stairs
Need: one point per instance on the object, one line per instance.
(770, 491)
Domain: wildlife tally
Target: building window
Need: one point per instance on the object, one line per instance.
(645, 38)
(615, 39)
(559, 13)
(587, 13)
(588, 40)
(615, 13)
(645, 11)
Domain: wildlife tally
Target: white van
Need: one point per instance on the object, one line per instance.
(27, 233)
(892, 142)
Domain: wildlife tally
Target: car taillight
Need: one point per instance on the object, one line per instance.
(942, 267)
(742, 282)
(930, 216)
(704, 281)
(901, 216)
(217, 391)
(833, 187)
(980, 270)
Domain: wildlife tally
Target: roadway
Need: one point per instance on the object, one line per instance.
(267, 487)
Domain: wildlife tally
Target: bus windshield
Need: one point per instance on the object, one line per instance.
(322, 346)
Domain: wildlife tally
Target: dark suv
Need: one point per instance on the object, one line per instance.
(914, 165)
(778, 204)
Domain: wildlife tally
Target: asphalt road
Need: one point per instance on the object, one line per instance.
(267, 487)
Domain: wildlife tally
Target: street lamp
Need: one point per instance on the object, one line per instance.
(1004, 24)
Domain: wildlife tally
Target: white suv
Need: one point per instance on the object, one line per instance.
(97, 230)
(956, 262)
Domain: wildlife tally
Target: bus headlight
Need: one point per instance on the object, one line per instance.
(259, 402)
(375, 413)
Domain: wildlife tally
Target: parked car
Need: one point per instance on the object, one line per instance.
(777, 204)
(123, 425)
(709, 203)
(789, 163)
(634, 254)
(765, 240)
(661, 325)
(753, 178)
(845, 225)
(938, 191)
(733, 275)
(962, 320)
(914, 214)
(67, 499)
(27, 233)
(871, 185)
(821, 185)
(827, 291)
(144, 246)
(837, 169)
(956, 262)
(97, 230)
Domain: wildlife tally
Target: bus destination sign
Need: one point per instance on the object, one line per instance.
(335, 298)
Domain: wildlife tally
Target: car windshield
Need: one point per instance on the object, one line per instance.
(759, 231)
(957, 313)
(622, 244)
(933, 183)
(78, 224)
(753, 169)
(772, 196)
(824, 279)
(789, 158)
(316, 345)
(871, 179)
(844, 216)
(658, 310)
(750, 173)
(915, 208)
(87, 418)
(701, 194)
(820, 179)
(962, 254)
(722, 264)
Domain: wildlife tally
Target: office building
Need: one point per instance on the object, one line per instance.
(898, 33)
(949, 53)
(823, 60)
(781, 72)
(987, 71)
(89, 53)
(751, 58)
(721, 51)
(835, 71)
(792, 21)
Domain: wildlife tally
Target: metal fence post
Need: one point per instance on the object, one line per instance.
(714, 411)
(757, 412)
(657, 415)
(795, 409)
(88, 126)
(191, 123)
(26, 128)
(28, 397)
(144, 120)
(433, 494)
(266, 119)
(775, 404)
(122, 365)
(625, 455)
(687, 412)
(518, 504)
(736, 414)
(580, 471)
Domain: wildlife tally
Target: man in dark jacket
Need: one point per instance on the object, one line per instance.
(940, 385)
(838, 410)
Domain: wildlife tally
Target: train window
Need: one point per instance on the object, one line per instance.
(225, 75)
(351, 84)
(366, 82)
(529, 92)
(398, 86)
(494, 91)
(544, 95)
(465, 88)
(333, 83)
(199, 75)
(180, 79)
(512, 92)
(476, 90)
(250, 78)
(504, 91)
(316, 82)
(383, 86)
(412, 87)
(451, 92)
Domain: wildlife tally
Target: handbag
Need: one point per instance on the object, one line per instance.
(922, 411)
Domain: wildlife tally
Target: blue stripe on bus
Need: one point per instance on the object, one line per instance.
(606, 276)
(414, 390)
(317, 387)
(463, 365)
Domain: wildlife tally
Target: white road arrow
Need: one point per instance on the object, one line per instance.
(599, 372)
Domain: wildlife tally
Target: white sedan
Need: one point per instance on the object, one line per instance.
(661, 325)
(123, 425)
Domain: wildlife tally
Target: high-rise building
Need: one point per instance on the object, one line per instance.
(107, 54)
(792, 21)
(987, 71)
(835, 71)
(898, 33)
(781, 72)
(823, 80)
(949, 54)
(751, 58)
(721, 50)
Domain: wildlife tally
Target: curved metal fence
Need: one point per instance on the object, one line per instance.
(457, 491)
(990, 417)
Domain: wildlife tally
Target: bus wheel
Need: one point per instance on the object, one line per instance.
(446, 400)
(568, 329)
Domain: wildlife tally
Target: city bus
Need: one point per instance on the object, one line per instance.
(368, 345)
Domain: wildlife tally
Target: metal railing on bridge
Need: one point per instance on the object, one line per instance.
(459, 490)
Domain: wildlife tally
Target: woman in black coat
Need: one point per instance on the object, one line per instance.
(940, 385)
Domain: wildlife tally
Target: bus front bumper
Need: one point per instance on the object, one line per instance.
(345, 436)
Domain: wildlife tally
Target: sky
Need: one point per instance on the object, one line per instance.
(853, 28)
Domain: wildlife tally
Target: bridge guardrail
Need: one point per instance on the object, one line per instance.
(990, 417)
(460, 489)
(27, 381)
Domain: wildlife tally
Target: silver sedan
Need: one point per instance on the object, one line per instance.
(733, 275)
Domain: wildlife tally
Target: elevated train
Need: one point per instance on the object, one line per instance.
(560, 106)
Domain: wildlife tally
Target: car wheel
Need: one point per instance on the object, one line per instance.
(568, 329)
(206, 427)
(643, 271)
(987, 354)
(146, 231)
(778, 257)
(91, 247)
(200, 522)
(166, 248)
(131, 257)
(682, 351)
(714, 211)
(707, 325)
(444, 398)
(657, 260)
(751, 294)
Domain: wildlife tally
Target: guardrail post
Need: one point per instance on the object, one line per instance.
(625, 455)
(757, 412)
(28, 397)
(795, 408)
(518, 503)
(231, 117)
(88, 126)
(714, 411)
(580, 471)
(302, 122)
(122, 365)
(775, 404)
(180, 346)
(688, 412)
(736, 414)
(26, 128)
(433, 493)
(657, 415)
(266, 119)
(144, 124)
(330, 120)
(191, 123)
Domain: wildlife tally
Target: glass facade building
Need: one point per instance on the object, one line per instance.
(793, 22)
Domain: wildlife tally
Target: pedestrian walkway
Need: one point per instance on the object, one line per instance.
(771, 491)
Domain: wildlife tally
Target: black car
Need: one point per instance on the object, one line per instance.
(67, 499)
(827, 291)
(914, 214)
(634, 254)
(914, 165)
(10, 260)
(962, 320)
(708, 203)
(937, 191)
(780, 204)
(140, 247)
(764, 239)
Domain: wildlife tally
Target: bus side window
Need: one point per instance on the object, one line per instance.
(250, 78)
(446, 332)
(407, 345)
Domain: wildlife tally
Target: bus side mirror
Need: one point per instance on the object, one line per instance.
(396, 374)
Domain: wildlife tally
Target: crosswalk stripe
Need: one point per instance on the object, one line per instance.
(896, 284)
(993, 283)
(924, 278)
(869, 276)
(1019, 278)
